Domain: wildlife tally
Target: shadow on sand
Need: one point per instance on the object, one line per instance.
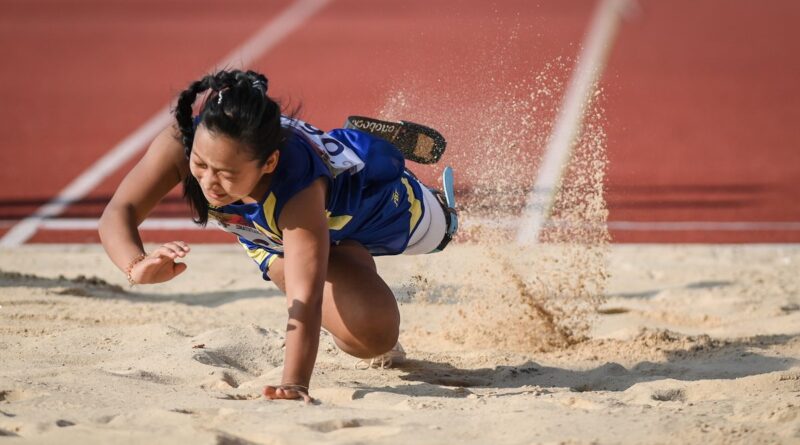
(717, 360)
(82, 286)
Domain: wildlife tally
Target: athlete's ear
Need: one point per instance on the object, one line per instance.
(272, 162)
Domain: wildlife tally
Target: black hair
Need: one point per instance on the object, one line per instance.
(237, 106)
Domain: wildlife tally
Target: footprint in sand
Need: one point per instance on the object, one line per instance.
(221, 381)
(249, 349)
(140, 374)
(217, 359)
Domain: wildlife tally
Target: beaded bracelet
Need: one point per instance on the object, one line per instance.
(133, 263)
(293, 386)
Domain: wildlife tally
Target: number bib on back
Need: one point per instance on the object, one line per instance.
(339, 157)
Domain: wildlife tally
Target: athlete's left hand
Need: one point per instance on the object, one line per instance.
(160, 266)
(289, 392)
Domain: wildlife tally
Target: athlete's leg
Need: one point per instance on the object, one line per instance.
(358, 308)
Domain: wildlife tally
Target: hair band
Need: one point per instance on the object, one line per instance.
(260, 85)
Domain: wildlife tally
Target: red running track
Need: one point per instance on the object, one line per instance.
(702, 109)
(700, 95)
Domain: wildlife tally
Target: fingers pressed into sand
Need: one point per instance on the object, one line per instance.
(277, 393)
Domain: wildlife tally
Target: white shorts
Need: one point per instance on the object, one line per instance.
(432, 226)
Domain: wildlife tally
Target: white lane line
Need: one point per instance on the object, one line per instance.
(504, 224)
(272, 33)
(705, 226)
(88, 180)
(266, 38)
(569, 122)
(148, 224)
(655, 226)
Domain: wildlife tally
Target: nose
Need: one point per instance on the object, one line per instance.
(207, 182)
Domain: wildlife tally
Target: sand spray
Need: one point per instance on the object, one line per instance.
(514, 298)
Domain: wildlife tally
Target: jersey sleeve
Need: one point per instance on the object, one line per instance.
(298, 166)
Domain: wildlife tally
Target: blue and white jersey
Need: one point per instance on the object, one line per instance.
(371, 198)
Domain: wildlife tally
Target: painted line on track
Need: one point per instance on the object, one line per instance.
(265, 39)
(148, 224)
(657, 226)
(568, 125)
(706, 226)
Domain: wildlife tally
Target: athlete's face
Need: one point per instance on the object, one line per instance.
(225, 169)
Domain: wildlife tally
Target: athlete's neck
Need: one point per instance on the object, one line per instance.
(257, 194)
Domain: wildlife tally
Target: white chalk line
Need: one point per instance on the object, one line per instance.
(69, 224)
(148, 224)
(650, 226)
(569, 122)
(711, 226)
(266, 38)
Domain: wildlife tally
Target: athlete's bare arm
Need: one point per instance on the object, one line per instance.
(306, 248)
(163, 166)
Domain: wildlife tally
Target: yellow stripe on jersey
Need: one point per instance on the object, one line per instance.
(416, 206)
(269, 214)
(269, 234)
(258, 255)
(337, 222)
(272, 258)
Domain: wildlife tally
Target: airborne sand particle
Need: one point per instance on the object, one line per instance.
(518, 299)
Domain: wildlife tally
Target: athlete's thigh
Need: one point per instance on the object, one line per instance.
(356, 300)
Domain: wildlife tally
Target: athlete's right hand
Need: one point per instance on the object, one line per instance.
(159, 265)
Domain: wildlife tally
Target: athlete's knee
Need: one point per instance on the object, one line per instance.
(373, 338)
(376, 344)
(384, 338)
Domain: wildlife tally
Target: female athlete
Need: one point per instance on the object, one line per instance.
(310, 208)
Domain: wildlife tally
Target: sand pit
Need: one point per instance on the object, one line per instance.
(693, 344)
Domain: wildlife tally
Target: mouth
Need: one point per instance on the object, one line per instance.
(216, 196)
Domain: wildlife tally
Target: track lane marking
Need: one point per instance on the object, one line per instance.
(265, 39)
(569, 122)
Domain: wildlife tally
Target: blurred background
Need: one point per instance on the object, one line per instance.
(693, 131)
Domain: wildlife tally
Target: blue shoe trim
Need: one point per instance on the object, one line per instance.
(447, 183)
(450, 197)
